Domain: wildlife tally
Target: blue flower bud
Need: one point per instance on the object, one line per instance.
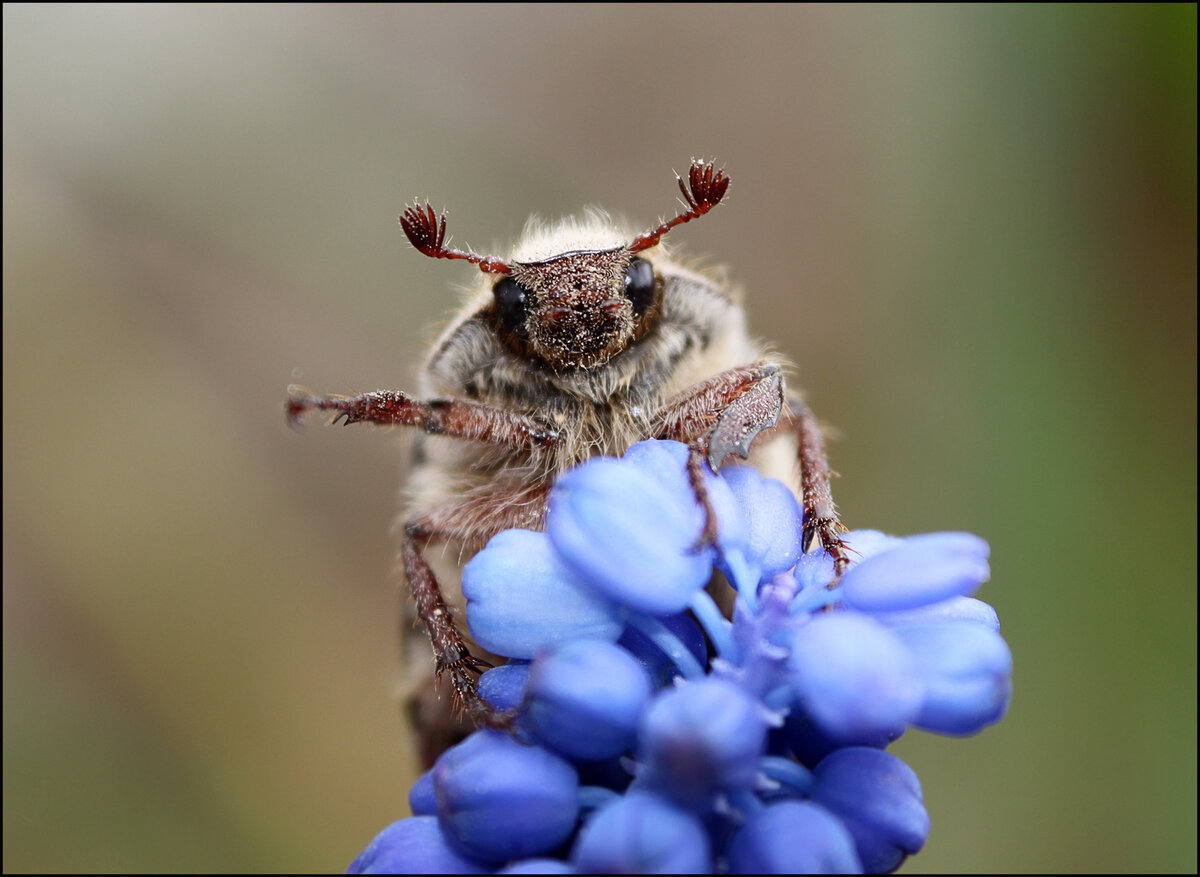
(772, 524)
(642, 834)
(585, 699)
(793, 837)
(499, 799)
(814, 570)
(966, 671)
(666, 462)
(629, 536)
(551, 604)
(878, 798)
(539, 866)
(702, 738)
(966, 609)
(414, 846)
(504, 687)
(422, 799)
(854, 676)
(921, 570)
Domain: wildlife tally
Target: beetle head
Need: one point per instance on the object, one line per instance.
(580, 308)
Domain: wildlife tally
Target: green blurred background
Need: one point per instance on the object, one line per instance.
(973, 229)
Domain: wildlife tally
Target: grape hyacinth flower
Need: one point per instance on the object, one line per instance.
(654, 735)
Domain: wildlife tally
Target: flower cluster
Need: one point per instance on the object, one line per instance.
(655, 735)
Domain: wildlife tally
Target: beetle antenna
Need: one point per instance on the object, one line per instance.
(704, 191)
(427, 232)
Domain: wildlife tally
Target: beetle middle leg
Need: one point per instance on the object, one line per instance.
(469, 521)
(450, 651)
(821, 521)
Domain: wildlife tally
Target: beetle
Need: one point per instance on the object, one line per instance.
(587, 338)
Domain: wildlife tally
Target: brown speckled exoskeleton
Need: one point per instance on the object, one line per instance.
(588, 338)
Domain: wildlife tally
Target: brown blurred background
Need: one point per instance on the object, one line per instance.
(973, 229)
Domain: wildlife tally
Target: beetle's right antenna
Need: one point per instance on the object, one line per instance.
(426, 231)
(707, 185)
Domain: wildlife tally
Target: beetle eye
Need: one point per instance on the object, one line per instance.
(512, 299)
(639, 285)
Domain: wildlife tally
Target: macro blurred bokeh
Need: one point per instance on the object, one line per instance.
(973, 229)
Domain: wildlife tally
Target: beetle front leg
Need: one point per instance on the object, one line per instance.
(719, 417)
(458, 418)
(724, 414)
